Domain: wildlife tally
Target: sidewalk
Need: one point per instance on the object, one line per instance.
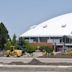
(35, 61)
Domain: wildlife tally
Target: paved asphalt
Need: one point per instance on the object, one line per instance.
(35, 69)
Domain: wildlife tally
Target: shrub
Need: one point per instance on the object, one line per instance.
(46, 49)
(41, 48)
(30, 48)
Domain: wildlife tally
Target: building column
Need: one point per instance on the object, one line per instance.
(54, 46)
(48, 41)
(29, 40)
(38, 40)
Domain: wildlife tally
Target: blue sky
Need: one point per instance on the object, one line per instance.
(19, 15)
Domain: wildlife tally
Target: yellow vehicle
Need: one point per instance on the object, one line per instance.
(68, 53)
(14, 52)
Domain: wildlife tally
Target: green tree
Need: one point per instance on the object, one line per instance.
(11, 42)
(8, 45)
(22, 42)
(14, 41)
(3, 35)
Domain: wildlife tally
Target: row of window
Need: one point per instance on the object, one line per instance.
(50, 39)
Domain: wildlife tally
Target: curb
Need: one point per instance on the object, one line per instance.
(35, 66)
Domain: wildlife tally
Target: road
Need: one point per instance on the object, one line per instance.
(33, 68)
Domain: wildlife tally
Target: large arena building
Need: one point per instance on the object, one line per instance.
(56, 31)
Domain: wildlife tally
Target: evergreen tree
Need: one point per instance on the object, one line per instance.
(3, 35)
(14, 42)
(21, 42)
(11, 43)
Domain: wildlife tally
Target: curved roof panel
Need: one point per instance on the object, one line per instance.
(57, 26)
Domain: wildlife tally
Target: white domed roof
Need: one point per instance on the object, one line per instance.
(57, 26)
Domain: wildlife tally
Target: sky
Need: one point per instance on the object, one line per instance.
(19, 15)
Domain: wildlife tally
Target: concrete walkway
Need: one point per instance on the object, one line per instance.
(55, 60)
(11, 59)
(27, 60)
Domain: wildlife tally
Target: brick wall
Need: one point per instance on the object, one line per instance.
(42, 44)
